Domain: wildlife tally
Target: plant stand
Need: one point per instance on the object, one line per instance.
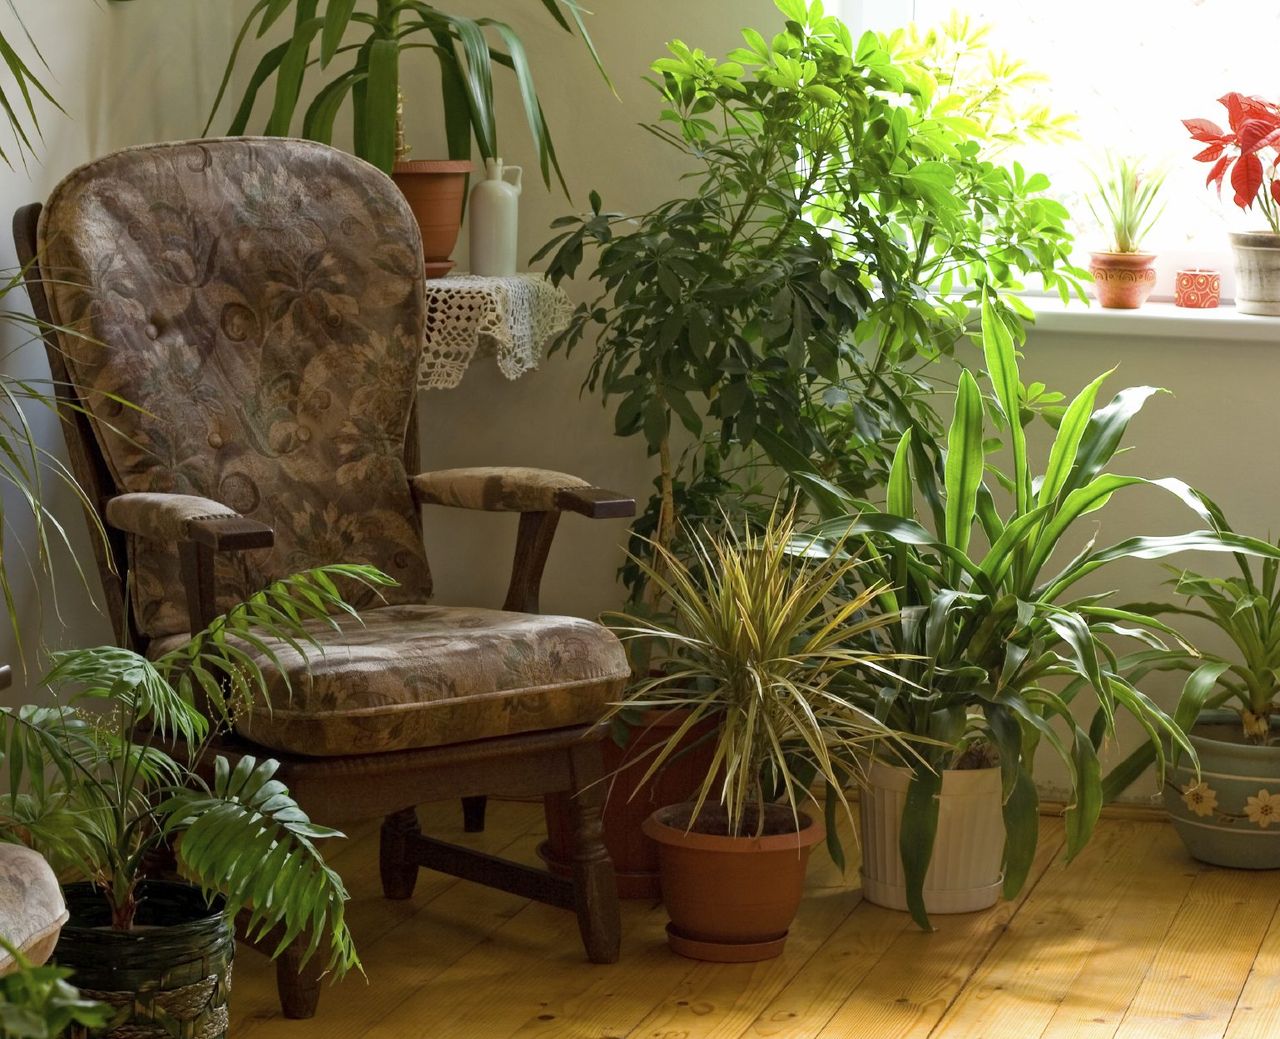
(510, 319)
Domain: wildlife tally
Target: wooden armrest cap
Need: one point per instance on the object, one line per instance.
(595, 502)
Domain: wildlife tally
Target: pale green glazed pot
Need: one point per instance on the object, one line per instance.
(1232, 818)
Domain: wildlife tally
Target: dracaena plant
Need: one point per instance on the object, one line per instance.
(1123, 199)
(122, 762)
(356, 47)
(756, 638)
(999, 643)
(1247, 152)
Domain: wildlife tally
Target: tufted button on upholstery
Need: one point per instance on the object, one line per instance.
(152, 330)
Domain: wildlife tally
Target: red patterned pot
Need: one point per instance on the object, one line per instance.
(1197, 288)
(1122, 281)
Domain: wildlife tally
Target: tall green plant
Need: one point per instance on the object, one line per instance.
(374, 35)
(123, 761)
(999, 641)
(841, 218)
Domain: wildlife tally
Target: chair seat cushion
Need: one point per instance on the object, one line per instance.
(32, 911)
(424, 676)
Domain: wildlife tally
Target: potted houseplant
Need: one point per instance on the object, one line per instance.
(370, 37)
(1246, 153)
(755, 641)
(995, 645)
(106, 777)
(1124, 275)
(806, 351)
(1227, 811)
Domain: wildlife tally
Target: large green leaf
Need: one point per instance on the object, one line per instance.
(919, 830)
(1002, 367)
(964, 464)
(1021, 811)
(380, 102)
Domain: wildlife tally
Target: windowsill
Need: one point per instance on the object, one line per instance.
(1158, 320)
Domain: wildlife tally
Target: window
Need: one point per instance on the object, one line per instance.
(1129, 72)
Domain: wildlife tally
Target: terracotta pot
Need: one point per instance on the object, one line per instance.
(1257, 272)
(731, 899)
(1122, 281)
(635, 856)
(435, 189)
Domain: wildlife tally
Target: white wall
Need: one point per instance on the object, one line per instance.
(126, 74)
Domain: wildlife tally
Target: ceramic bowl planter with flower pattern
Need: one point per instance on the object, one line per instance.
(1230, 815)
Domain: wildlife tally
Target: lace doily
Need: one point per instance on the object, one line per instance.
(511, 319)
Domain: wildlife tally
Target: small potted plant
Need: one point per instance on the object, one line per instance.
(355, 48)
(996, 647)
(1247, 154)
(756, 639)
(1124, 275)
(36, 1001)
(103, 779)
(1227, 811)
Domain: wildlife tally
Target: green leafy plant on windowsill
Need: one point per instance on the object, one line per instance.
(786, 308)
(997, 642)
(1123, 199)
(375, 35)
(126, 763)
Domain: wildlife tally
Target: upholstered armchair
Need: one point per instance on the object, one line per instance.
(259, 303)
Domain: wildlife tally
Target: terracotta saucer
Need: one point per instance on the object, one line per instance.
(724, 952)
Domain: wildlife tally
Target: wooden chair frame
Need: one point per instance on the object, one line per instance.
(341, 790)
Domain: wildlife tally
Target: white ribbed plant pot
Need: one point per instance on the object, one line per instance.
(965, 872)
(1257, 272)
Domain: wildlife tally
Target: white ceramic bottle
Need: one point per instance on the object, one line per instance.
(494, 217)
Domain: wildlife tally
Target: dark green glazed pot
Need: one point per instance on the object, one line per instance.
(1232, 818)
(170, 978)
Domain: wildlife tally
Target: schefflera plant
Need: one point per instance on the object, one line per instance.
(995, 638)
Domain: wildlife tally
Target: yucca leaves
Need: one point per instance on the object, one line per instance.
(102, 777)
(1000, 633)
(376, 35)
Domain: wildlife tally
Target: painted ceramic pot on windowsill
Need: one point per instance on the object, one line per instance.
(1122, 281)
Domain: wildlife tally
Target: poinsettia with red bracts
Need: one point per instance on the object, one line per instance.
(1249, 152)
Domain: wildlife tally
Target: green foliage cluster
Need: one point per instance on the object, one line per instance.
(841, 219)
(121, 764)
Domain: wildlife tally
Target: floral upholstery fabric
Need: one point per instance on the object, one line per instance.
(494, 488)
(31, 908)
(424, 676)
(261, 303)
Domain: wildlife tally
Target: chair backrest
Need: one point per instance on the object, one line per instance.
(258, 302)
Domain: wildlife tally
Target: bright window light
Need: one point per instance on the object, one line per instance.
(1129, 73)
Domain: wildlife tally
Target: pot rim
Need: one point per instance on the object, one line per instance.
(810, 833)
(433, 166)
(1245, 751)
(1255, 239)
(208, 917)
(1143, 258)
(956, 782)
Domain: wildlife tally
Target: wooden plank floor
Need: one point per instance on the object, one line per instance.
(1133, 940)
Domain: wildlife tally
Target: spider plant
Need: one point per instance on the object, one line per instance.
(1126, 195)
(123, 762)
(375, 35)
(755, 639)
(995, 640)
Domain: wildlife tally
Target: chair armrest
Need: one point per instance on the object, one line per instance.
(518, 489)
(200, 528)
(179, 518)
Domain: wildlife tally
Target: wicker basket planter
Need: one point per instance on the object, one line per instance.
(170, 978)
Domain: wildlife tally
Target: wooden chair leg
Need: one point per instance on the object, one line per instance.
(297, 983)
(595, 888)
(397, 866)
(473, 809)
